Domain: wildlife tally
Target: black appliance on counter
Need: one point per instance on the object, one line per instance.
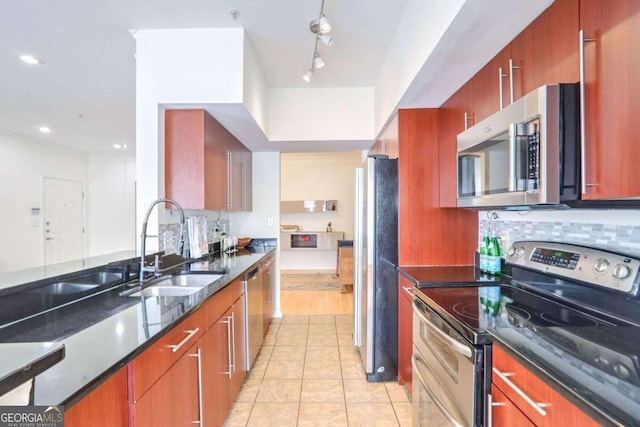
(569, 311)
(262, 245)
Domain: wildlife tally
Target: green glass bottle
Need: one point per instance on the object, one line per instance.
(483, 250)
(494, 260)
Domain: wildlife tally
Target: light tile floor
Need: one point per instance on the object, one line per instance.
(309, 374)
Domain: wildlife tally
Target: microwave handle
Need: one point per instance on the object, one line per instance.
(513, 156)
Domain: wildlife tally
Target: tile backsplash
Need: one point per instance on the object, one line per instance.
(621, 234)
(214, 229)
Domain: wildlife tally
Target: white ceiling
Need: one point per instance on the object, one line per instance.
(85, 89)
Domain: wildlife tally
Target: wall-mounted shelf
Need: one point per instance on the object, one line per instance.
(308, 206)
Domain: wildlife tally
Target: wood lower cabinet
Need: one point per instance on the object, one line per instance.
(175, 399)
(223, 364)
(106, 406)
(195, 371)
(612, 97)
(544, 406)
(405, 332)
(504, 412)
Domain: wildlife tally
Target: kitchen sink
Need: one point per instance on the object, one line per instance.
(63, 288)
(191, 280)
(176, 286)
(166, 291)
(98, 278)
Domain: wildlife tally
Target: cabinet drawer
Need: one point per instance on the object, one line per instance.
(538, 401)
(504, 413)
(215, 306)
(147, 368)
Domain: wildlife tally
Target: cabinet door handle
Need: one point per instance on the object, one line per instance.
(175, 347)
(537, 406)
(513, 157)
(229, 355)
(467, 119)
(233, 340)
(229, 179)
(199, 356)
(501, 76)
(583, 116)
(511, 68)
(490, 405)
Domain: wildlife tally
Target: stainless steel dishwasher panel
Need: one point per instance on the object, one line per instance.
(254, 312)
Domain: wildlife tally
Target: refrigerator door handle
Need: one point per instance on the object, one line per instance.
(357, 257)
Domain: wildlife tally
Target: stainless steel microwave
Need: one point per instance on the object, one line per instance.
(525, 155)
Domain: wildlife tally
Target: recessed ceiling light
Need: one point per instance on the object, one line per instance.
(44, 129)
(28, 59)
(117, 146)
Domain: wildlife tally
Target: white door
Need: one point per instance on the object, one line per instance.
(63, 230)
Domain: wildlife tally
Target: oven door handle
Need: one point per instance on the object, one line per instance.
(457, 346)
(426, 388)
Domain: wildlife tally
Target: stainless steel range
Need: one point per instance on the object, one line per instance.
(572, 311)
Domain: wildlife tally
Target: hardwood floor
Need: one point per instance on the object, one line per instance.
(316, 302)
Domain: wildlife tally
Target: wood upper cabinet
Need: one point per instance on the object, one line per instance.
(387, 142)
(106, 406)
(612, 98)
(522, 382)
(405, 332)
(454, 113)
(488, 84)
(422, 224)
(546, 52)
(205, 165)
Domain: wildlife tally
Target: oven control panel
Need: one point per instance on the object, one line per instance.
(596, 267)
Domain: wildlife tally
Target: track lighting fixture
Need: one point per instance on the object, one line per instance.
(320, 27)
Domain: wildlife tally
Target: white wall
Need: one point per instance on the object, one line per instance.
(321, 114)
(178, 66)
(320, 176)
(111, 203)
(266, 204)
(23, 166)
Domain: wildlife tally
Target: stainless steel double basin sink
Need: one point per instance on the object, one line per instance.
(82, 283)
(178, 285)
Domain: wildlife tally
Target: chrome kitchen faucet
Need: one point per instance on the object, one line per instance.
(143, 238)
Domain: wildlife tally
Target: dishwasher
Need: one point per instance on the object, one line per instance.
(254, 312)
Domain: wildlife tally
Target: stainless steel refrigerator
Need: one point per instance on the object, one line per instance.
(375, 246)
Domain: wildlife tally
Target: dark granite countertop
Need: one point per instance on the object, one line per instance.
(105, 331)
(19, 362)
(438, 276)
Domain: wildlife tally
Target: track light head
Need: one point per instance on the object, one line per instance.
(326, 39)
(307, 76)
(324, 26)
(318, 62)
